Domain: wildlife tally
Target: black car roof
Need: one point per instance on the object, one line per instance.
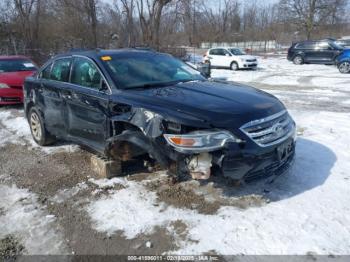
(97, 53)
(313, 41)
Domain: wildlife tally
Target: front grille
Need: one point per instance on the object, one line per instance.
(251, 60)
(270, 130)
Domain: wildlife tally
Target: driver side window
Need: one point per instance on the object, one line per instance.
(85, 73)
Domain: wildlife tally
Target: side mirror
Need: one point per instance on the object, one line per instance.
(204, 69)
(227, 55)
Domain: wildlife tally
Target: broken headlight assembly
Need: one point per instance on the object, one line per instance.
(200, 141)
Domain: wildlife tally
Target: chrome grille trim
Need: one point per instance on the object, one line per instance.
(270, 130)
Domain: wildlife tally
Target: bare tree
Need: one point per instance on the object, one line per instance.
(150, 14)
(309, 14)
(28, 12)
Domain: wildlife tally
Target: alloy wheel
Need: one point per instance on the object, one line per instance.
(234, 66)
(35, 125)
(298, 60)
(344, 67)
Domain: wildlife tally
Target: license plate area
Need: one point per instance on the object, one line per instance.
(284, 150)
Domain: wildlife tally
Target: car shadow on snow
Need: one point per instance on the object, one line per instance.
(311, 168)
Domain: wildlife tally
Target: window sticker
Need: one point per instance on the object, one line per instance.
(28, 64)
(106, 58)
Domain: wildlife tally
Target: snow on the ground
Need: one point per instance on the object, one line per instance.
(310, 213)
(278, 71)
(22, 216)
(17, 131)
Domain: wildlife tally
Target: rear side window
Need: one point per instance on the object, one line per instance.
(221, 52)
(323, 46)
(60, 70)
(307, 45)
(213, 52)
(85, 73)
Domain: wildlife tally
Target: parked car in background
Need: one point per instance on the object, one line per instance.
(126, 103)
(13, 71)
(314, 52)
(233, 58)
(343, 62)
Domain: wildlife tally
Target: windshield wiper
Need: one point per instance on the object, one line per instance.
(160, 84)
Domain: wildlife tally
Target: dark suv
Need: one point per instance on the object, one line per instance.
(127, 103)
(314, 52)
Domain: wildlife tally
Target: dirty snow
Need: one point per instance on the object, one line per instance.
(67, 193)
(18, 132)
(25, 218)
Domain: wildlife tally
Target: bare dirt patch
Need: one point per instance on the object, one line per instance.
(202, 198)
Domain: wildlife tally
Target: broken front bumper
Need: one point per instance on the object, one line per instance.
(252, 167)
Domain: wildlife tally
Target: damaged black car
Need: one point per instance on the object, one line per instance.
(129, 102)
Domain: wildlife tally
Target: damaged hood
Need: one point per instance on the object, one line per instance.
(219, 104)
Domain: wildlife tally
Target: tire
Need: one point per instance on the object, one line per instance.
(344, 67)
(234, 66)
(298, 60)
(37, 128)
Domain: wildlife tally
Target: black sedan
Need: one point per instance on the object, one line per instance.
(156, 105)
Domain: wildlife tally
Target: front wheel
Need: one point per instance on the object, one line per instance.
(344, 67)
(37, 128)
(298, 60)
(234, 66)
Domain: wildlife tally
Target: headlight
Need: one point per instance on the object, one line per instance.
(200, 141)
(2, 85)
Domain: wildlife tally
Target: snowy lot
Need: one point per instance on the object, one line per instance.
(51, 204)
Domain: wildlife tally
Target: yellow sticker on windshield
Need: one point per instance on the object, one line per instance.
(106, 58)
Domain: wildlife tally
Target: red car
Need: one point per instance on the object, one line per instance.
(13, 71)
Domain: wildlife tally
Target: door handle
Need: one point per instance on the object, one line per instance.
(67, 95)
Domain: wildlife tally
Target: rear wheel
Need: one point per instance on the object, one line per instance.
(37, 128)
(298, 60)
(234, 66)
(344, 67)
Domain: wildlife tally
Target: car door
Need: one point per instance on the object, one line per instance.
(325, 53)
(214, 57)
(87, 104)
(53, 80)
(310, 52)
(219, 57)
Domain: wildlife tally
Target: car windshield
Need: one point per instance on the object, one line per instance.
(149, 70)
(15, 65)
(237, 51)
